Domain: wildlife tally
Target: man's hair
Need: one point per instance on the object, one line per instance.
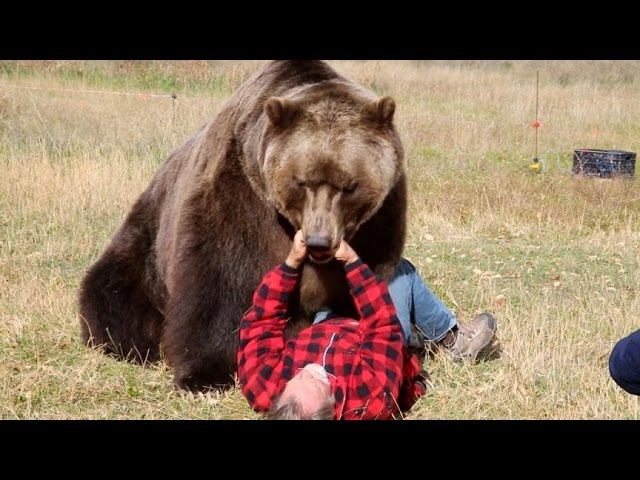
(292, 409)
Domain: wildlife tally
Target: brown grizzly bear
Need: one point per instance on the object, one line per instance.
(297, 146)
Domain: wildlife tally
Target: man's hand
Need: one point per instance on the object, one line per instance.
(298, 251)
(345, 253)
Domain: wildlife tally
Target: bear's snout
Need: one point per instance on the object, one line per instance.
(318, 243)
(319, 248)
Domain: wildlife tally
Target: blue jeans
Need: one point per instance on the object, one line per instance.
(624, 363)
(417, 307)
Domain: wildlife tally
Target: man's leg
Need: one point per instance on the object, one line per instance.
(416, 302)
(424, 318)
(417, 305)
(411, 295)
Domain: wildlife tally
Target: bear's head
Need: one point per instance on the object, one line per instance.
(330, 155)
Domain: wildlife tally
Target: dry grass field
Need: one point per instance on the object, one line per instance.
(555, 257)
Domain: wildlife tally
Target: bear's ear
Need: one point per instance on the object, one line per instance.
(280, 111)
(381, 110)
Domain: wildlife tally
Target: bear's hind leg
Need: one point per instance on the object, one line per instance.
(116, 312)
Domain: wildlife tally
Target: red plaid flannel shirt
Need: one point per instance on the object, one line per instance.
(372, 374)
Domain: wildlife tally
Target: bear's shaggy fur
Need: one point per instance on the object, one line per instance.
(297, 146)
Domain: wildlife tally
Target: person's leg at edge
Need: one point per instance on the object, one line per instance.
(624, 363)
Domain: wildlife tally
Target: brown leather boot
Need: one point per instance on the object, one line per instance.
(468, 341)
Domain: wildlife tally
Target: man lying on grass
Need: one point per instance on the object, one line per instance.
(339, 367)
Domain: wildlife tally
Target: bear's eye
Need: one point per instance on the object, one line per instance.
(300, 183)
(350, 188)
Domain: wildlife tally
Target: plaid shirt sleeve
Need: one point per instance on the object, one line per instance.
(415, 381)
(377, 383)
(262, 337)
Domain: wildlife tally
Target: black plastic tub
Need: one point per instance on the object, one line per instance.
(604, 163)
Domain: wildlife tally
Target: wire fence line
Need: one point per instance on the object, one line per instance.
(174, 97)
(109, 92)
(143, 95)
